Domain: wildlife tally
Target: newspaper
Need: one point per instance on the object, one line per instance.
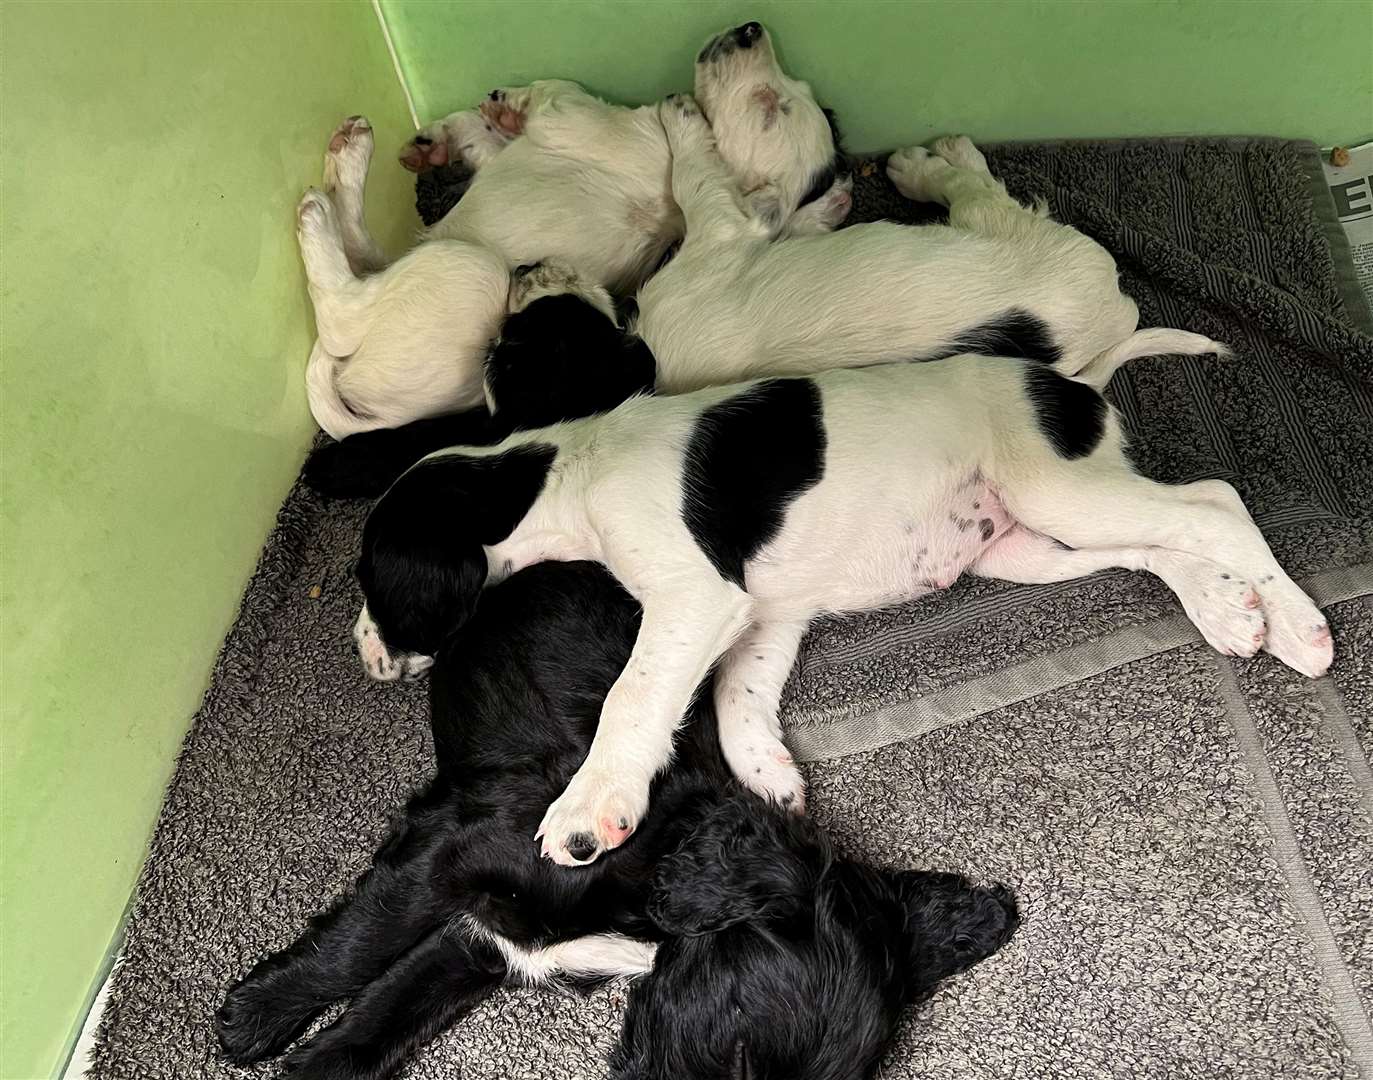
(1351, 186)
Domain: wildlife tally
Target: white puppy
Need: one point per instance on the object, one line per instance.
(735, 515)
(560, 176)
(998, 278)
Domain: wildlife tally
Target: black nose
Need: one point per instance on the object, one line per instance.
(747, 34)
(525, 268)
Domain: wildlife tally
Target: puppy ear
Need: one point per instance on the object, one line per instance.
(951, 923)
(745, 860)
(423, 565)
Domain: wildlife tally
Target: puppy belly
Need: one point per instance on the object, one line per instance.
(943, 549)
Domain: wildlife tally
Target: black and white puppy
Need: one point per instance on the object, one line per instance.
(736, 515)
(742, 902)
(558, 175)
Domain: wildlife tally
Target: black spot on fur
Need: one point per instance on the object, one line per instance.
(1072, 416)
(749, 457)
(422, 566)
(987, 528)
(1015, 333)
(560, 359)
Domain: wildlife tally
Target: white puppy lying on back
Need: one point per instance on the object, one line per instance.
(561, 176)
(736, 515)
(999, 279)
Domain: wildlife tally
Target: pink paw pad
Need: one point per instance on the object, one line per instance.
(616, 830)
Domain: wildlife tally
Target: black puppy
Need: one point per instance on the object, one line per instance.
(557, 359)
(776, 957)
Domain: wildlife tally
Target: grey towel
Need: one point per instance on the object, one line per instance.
(1191, 837)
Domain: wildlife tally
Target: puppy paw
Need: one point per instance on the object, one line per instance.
(427, 150)
(350, 153)
(503, 113)
(960, 152)
(259, 1019)
(378, 661)
(765, 766)
(1226, 609)
(1298, 634)
(682, 118)
(315, 216)
(917, 173)
(597, 812)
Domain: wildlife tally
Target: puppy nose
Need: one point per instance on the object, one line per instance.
(747, 34)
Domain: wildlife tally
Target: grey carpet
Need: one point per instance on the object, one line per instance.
(1191, 837)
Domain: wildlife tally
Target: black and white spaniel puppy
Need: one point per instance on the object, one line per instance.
(736, 515)
(742, 902)
(558, 176)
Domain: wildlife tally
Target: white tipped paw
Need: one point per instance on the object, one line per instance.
(597, 812)
(681, 117)
(350, 152)
(315, 215)
(377, 660)
(765, 766)
(960, 152)
(1299, 636)
(917, 173)
(1228, 612)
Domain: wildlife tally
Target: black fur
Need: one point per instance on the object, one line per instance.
(1015, 333)
(558, 359)
(749, 457)
(838, 167)
(366, 464)
(753, 907)
(422, 566)
(1071, 415)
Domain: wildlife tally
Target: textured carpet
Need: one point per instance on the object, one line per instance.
(1191, 837)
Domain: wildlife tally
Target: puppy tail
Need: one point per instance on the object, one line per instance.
(327, 405)
(1158, 341)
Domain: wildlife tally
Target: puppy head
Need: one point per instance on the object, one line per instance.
(780, 145)
(550, 278)
(560, 356)
(423, 563)
(783, 960)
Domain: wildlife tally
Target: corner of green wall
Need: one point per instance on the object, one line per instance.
(155, 331)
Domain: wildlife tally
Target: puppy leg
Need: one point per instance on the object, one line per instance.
(1094, 504)
(954, 173)
(748, 691)
(345, 179)
(1221, 604)
(684, 631)
(422, 994)
(701, 185)
(399, 900)
(342, 302)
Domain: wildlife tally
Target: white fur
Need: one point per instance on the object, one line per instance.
(734, 305)
(596, 955)
(561, 177)
(930, 470)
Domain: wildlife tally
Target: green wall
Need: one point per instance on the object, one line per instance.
(155, 330)
(899, 72)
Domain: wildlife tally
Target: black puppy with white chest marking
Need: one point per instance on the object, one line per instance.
(745, 904)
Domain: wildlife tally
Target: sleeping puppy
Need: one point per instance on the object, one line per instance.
(558, 176)
(998, 278)
(735, 515)
(741, 901)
